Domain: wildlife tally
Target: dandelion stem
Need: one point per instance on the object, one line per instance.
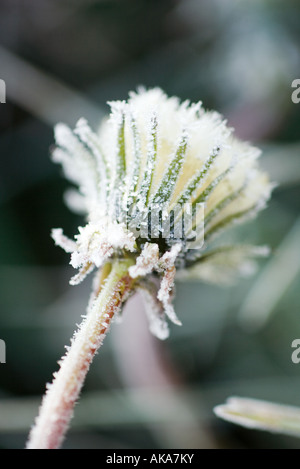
(56, 410)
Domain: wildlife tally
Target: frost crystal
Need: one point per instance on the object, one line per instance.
(146, 262)
(154, 161)
(154, 310)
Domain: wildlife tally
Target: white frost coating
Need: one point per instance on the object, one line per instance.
(165, 292)
(168, 259)
(95, 243)
(78, 162)
(149, 262)
(167, 264)
(146, 262)
(57, 406)
(152, 141)
(154, 310)
(199, 179)
(83, 272)
(75, 201)
(62, 241)
(91, 140)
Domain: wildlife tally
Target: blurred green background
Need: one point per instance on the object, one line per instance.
(64, 59)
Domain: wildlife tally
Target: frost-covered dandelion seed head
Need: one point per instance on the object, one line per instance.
(157, 182)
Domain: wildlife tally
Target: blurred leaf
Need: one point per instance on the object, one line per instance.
(261, 415)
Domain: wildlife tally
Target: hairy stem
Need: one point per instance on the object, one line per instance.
(57, 406)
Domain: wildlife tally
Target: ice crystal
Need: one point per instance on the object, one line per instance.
(154, 310)
(152, 161)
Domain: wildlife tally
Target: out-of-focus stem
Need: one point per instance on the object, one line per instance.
(56, 410)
